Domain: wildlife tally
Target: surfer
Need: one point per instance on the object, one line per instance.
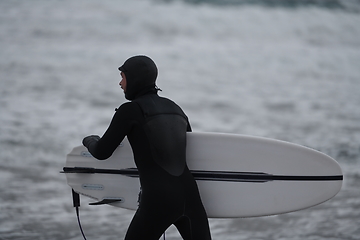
(156, 129)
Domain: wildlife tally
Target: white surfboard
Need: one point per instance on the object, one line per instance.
(237, 175)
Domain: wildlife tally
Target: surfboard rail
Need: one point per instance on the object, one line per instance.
(212, 175)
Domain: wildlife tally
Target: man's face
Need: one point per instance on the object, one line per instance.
(123, 81)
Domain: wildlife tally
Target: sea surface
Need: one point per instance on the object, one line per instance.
(287, 70)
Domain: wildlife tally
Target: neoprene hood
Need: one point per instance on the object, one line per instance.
(141, 73)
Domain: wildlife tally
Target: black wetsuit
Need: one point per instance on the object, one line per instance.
(156, 129)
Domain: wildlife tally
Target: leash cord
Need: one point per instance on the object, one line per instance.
(78, 218)
(76, 203)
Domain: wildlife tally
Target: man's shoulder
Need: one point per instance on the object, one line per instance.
(127, 106)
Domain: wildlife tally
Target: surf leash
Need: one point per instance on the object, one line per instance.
(76, 203)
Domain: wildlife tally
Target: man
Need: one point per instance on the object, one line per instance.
(156, 129)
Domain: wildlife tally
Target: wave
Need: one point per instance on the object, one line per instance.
(347, 5)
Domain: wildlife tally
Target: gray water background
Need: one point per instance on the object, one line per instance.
(284, 71)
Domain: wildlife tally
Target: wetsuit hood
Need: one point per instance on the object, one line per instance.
(141, 73)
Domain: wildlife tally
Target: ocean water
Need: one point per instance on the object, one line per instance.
(287, 70)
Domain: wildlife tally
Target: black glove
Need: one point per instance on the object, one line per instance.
(90, 139)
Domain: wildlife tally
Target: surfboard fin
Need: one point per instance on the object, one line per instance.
(107, 201)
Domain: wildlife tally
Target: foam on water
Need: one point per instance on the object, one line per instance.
(285, 73)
